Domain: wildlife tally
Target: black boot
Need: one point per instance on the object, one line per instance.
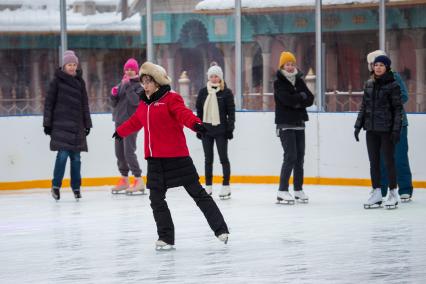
(77, 194)
(55, 193)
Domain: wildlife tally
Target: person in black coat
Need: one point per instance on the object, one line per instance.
(216, 108)
(67, 120)
(381, 115)
(292, 97)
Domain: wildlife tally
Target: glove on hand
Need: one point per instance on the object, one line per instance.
(356, 134)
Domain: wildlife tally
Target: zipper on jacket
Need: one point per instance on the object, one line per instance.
(149, 132)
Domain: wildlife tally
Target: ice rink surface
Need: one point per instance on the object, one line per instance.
(110, 239)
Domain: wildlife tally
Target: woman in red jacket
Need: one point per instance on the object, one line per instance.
(162, 114)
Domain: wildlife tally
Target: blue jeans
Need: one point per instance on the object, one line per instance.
(403, 172)
(60, 164)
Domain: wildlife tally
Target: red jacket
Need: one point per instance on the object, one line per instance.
(163, 122)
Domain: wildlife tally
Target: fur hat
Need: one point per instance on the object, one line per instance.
(69, 57)
(215, 70)
(383, 59)
(157, 72)
(285, 57)
(371, 56)
(131, 64)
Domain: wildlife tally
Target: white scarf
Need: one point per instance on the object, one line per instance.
(211, 107)
(290, 76)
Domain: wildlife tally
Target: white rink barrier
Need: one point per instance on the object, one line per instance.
(255, 152)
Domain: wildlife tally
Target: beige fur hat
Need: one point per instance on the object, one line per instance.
(372, 56)
(155, 71)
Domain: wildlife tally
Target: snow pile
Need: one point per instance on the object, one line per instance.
(251, 4)
(44, 16)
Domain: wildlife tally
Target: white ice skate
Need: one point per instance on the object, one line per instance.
(121, 187)
(405, 198)
(138, 187)
(300, 196)
(375, 200)
(223, 238)
(163, 246)
(209, 189)
(225, 192)
(392, 199)
(285, 197)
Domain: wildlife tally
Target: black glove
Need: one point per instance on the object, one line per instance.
(87, 130)
(356, 134)
(47, 130)
(117, 136)
(395, 135)
(229, 135)
(199, 136)
(201, 129)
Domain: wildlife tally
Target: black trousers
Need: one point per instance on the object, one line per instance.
(380, 143)
(293, 143)
(163, 218)
(222, 149)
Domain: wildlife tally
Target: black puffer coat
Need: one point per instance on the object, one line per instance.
(290, 105)
(66, 112)
(225, 100)
(381, 107)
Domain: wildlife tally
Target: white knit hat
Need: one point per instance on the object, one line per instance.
(372, 55)
(215, 70)
(157, 72)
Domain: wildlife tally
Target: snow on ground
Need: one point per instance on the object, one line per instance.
(110, 239)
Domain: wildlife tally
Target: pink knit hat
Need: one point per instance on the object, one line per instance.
(69, 57)
(132, 64)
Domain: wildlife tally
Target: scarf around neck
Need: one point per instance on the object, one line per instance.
(211, 107)
(290, 76)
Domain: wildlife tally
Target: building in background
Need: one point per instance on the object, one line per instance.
(189, 34)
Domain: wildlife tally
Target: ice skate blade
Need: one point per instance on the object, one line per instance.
(225, 197)
(372, 206)
(136, 193)
(303, 201)
(282, 201)
(391, 207)
(165, 248)
(405, 200)
(121, 191)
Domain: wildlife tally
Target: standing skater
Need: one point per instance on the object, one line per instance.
(162, 114)
(67, 120)
(381, 116)
(403, 171)
(216, 108)
(125, 100)
(292, 97)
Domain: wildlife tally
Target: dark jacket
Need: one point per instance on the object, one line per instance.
(225, 100)
(290, 103)
(127, 100)
(66, 112)
(381, 108)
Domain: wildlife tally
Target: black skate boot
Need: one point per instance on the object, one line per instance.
(77, 194)
(55, 193)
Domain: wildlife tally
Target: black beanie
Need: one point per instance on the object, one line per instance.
(383, 59)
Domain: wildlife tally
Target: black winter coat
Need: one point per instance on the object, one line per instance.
(381, 108)
(225, 100)
(66, 112)
(290, 105)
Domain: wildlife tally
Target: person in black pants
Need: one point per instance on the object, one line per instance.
(292, 97)
(162, 114)
(381, 116)
(216, 108)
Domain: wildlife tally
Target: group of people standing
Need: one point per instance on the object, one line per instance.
(144, 99)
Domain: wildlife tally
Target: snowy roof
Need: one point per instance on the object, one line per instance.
(33, 18)
(261, 4)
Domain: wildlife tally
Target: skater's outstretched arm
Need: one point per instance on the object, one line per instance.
(183, 114)
(133, 124)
